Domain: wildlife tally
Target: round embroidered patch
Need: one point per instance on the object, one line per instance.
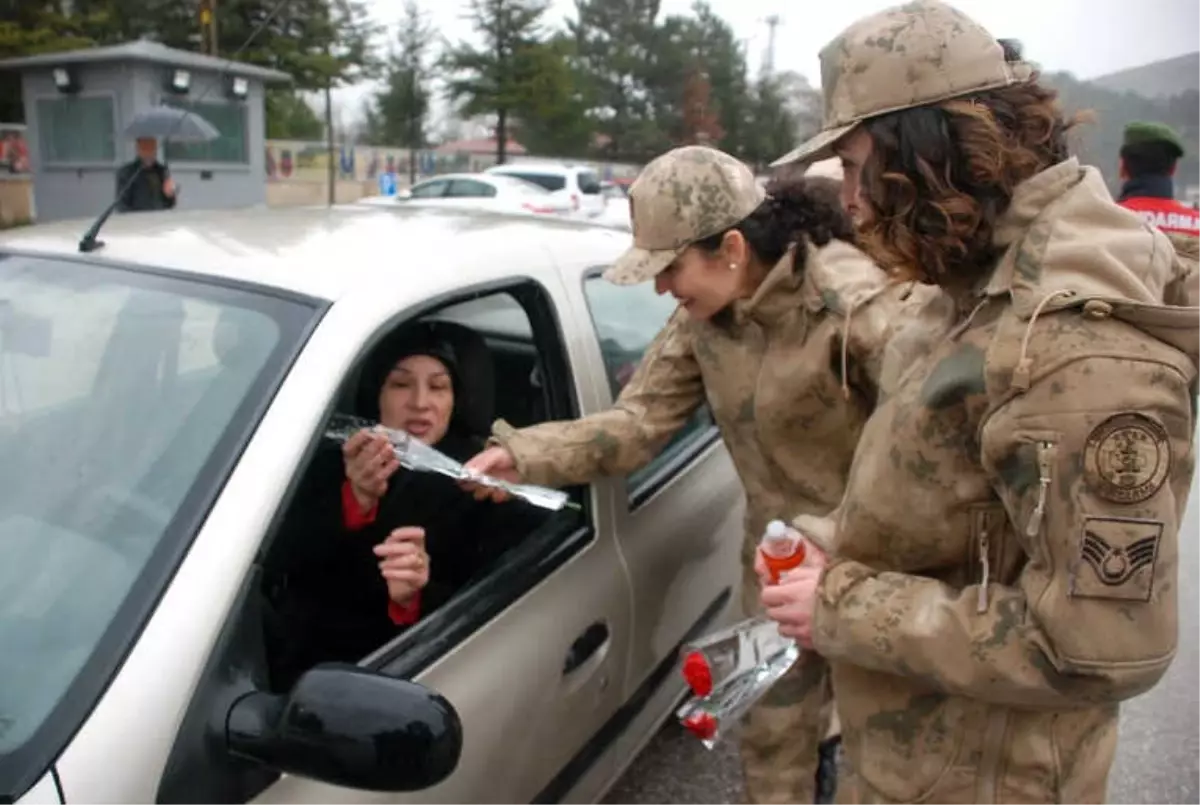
(1127, 458)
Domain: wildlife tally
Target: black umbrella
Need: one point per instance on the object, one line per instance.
(169, 123)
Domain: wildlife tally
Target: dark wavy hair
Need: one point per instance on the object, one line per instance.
(940, 176)
(798, 210)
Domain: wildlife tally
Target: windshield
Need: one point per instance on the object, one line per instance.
(120, 392)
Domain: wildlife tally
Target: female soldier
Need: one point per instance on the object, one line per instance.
(1005, 566)
(780, 327)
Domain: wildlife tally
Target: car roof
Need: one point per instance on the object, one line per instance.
(497, 179)
(313, 250)
(441, 177)
(541, 167)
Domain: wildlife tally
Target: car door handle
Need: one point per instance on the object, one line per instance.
(585, 646)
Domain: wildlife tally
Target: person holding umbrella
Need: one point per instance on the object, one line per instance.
(145, 184)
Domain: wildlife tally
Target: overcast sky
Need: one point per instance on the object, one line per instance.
(1087, 37)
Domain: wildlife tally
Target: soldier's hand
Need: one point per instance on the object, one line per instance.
(498, 463)
(791, 603)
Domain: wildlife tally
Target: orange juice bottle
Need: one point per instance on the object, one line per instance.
(782, 549)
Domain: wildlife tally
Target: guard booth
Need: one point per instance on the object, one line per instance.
(78, 103)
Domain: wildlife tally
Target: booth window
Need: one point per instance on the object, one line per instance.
(76, 129)
(229, 119)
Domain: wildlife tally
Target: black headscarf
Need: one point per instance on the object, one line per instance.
(422, 338)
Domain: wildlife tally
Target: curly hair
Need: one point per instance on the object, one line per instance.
(798, 210)
(940, 176)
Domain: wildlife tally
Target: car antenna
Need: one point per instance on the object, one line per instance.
(89, 243)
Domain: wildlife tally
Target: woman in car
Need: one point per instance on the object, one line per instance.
(781, 327)
(371, 547)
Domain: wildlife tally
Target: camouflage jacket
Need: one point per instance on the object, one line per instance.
(772, 377)
(1006, 562)
(1183, 287)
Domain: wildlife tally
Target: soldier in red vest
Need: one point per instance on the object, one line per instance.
(1148, 158)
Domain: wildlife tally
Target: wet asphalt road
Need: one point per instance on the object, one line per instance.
(1158, 759)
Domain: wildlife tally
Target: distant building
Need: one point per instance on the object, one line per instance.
(78, 103)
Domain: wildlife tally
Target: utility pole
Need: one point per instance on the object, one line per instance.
(208, 27)
(414, 122)
(769, 57)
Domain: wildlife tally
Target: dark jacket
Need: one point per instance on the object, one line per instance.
(146, 192)
(328, 600)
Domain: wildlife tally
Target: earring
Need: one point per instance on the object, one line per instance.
(733, 266)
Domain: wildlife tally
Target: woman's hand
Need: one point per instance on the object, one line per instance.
(370, 462)
(792, 601)
(494, 461)
(403, 562)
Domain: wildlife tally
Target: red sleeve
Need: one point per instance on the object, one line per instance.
(405, 614)
(352, 514)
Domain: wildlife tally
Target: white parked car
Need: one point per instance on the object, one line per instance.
(579, 185)
(164, 404)
(478, 191)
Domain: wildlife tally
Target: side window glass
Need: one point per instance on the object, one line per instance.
(549, 181)
(430, 190)
(627, 318)
(465, 188)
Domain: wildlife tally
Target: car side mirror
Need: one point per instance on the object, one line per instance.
(347, 726)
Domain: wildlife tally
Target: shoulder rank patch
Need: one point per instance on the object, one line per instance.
(1116, 558)
(1127, 458)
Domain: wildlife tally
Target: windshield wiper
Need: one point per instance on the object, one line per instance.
(89, 242)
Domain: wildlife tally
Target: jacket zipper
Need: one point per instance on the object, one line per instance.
(1045, 460)
(989, 763)
(981, 604)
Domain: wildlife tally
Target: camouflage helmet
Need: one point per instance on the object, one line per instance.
(684, 196)
(910, 55)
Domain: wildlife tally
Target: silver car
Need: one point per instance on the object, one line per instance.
(161, 401)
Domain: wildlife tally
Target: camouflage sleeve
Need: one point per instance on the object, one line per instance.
(658, 400)
(905, 323)
(1183, 289)
(886, 324)
(1093, 466)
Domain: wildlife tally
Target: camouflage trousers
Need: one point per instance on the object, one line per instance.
(781, 734)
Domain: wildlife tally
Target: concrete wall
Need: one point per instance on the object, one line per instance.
(83, 190)
(16, 201)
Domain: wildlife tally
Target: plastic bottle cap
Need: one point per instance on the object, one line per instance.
(777, 529)
(702, 725)
(697, 673)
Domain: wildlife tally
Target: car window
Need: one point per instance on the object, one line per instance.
(551, 181)
(487, 346)
(519, 186)
(589, 183)
(120, 389)
(627, 318)
(434, 189)
(469, 188)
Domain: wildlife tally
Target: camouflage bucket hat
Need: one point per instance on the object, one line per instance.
(683, 196)
(905, 56)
